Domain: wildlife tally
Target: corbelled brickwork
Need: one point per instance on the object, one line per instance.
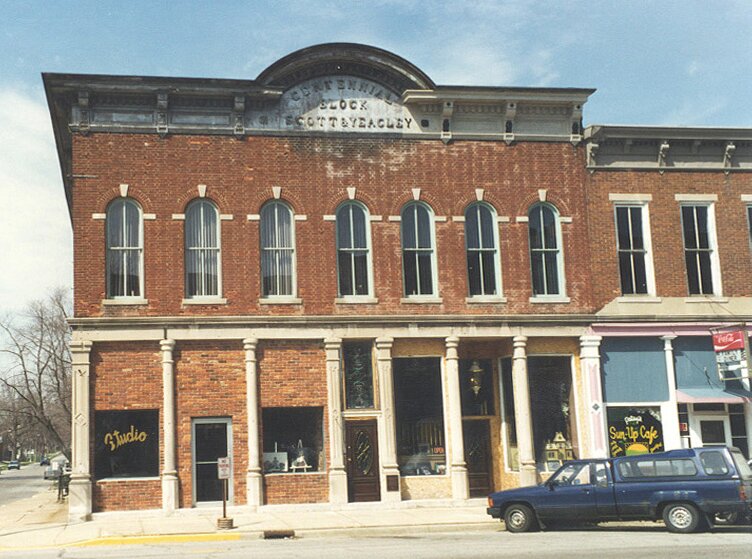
(314, 174)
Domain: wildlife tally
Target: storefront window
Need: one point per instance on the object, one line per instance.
(126, 443)
(358, 375)
(553, 412)
(634, 430)
(293, 440)
(419, 416)
(738, 428)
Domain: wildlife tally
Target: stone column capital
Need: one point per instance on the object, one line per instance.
(668, 342)
(250, 344)
(167, 344)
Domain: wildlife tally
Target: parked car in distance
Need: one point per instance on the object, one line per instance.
(14, 465)
(51, 473)
(44, 461)
(685, 488)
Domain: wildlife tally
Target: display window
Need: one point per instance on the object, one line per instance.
(419, 416)
(126, 443)
(293, 440)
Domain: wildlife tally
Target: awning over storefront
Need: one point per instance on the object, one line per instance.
(713, 395)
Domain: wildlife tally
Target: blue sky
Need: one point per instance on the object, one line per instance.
(677, 62)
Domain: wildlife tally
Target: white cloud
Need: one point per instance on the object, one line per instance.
(693, 68)
(35, 232)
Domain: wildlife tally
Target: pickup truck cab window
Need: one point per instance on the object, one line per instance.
(657, 468)
(572, 474)
(713, 463)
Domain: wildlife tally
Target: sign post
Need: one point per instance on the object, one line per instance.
(223, 473)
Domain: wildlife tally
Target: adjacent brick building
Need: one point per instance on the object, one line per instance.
(359, 285)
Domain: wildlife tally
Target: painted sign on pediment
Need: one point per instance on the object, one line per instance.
(342, 104)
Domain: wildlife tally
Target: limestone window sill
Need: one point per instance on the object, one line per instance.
(706, 299)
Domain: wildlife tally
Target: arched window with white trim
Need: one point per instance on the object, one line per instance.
(202, 250)
(418, 250)
(545, 250)
(125, 249)
(353, 250)
(277, 250)
(481, 244)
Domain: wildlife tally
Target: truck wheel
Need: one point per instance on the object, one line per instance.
(682, 518)
(519, 518)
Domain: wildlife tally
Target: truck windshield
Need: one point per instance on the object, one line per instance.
(741, 465)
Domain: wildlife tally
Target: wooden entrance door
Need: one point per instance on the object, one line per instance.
(477, 438)
(362, 455)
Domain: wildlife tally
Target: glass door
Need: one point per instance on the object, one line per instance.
(710, 430)
(211, 440)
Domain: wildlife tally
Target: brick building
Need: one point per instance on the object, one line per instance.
(359, 285)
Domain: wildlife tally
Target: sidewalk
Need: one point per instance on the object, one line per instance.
(40, 522)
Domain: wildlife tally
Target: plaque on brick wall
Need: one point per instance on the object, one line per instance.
(126, 443)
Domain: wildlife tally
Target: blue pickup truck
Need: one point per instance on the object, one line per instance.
(684, 487)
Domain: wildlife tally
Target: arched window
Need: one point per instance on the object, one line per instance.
(125, 249)
(277, 250)
(202, 242)
(353, 250)
(545, 250)
(481, 244)
(418, 255)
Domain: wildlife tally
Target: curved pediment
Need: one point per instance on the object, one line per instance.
(345, 59)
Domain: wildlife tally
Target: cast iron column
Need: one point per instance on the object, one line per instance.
(337, 473)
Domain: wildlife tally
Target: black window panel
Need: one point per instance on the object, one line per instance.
(486, 227)
(296, 431)
(489, 273)
(538, 276)
(471, 228)
(410, 263)
(473, 272)
(210, 441)
(534, 229)
(344, 238)
(408, 228)
(552, 274)
(707, 276)
(640, 273)
(549, 227)
(426, 281)
(507, 386)
(622, 228)
(693, 278)
(688, 225)
(208, 487)
(345, 273)
(701, 213)
(360, 260)
(126, 443)
(424, 227)
(625, 268)
(636, 219)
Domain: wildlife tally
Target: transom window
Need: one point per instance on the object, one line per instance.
(124, 249)
(353, 252)
(633, 250)
(481, 245)
(418, 256)
(699, 249)
(202, 264)
(277, 250)
(545, 251)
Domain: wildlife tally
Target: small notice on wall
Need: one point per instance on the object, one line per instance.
(634, 431)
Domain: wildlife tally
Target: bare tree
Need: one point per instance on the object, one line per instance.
(35, 369)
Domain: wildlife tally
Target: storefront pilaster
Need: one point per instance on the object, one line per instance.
(670, 409)
(590, 365)
(337, 473)
(80, 490)
(522, 416)
(458, 467)
(169, 473)
(254, 479)
(387, 429)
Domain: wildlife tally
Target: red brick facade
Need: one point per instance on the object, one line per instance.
(314, 174)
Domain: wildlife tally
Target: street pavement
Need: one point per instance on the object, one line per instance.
(21, 484)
